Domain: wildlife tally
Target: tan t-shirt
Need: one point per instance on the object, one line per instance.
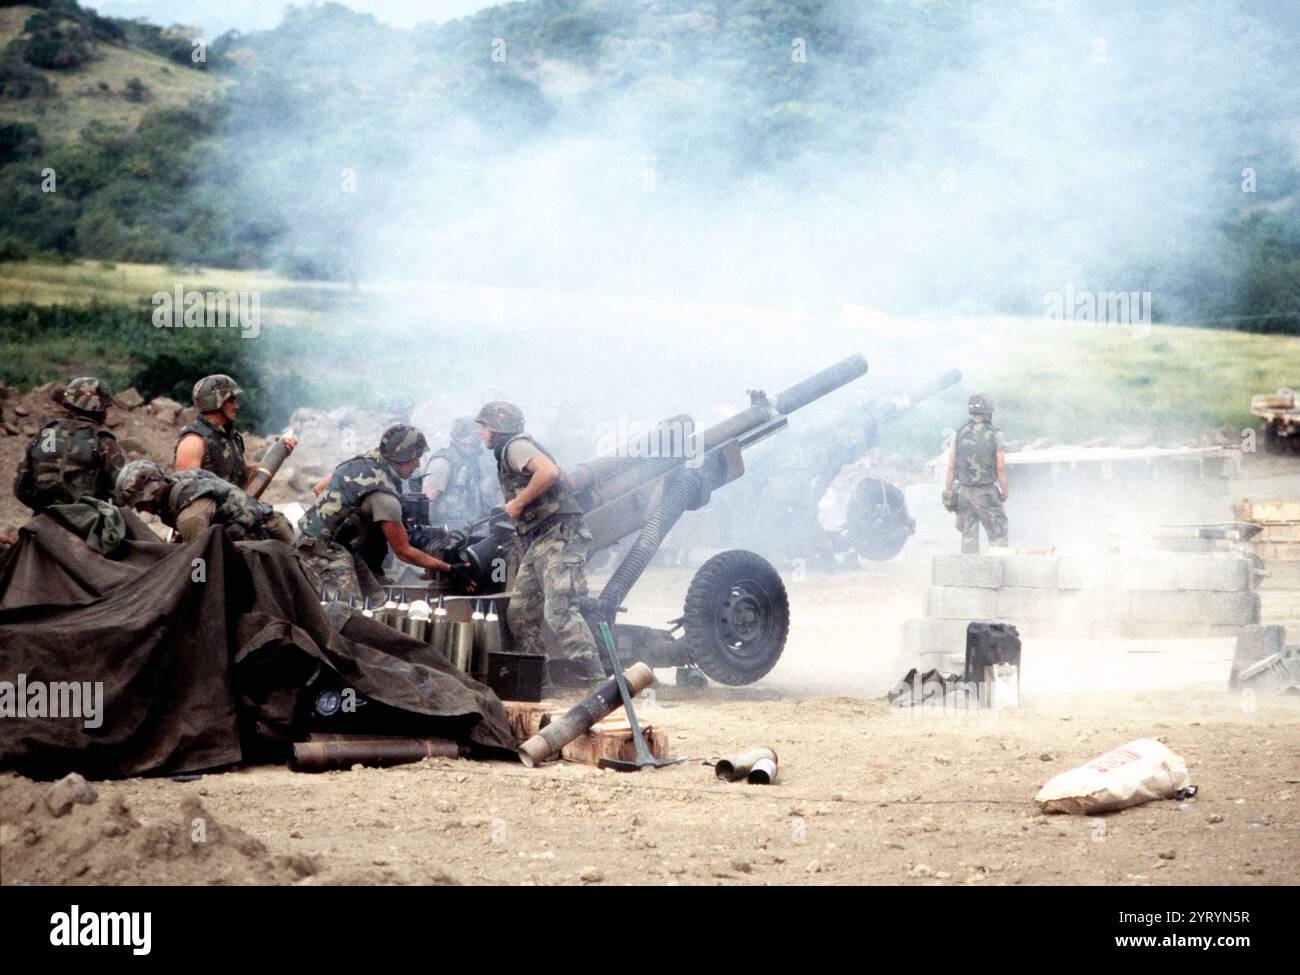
(381, 506)
(519, 453)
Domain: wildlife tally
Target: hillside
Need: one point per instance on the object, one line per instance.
(99, 90)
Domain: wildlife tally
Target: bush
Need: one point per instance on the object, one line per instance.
(19, 80)
(136, 90)
(13, 250)
(55, 45)
(18, 141)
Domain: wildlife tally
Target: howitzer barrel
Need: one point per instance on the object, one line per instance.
(815, 387)
(926, 390)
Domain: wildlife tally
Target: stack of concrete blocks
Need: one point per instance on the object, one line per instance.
(1068, 597)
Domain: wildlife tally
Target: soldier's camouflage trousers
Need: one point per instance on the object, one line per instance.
(550, 585)
(332, 567)
(980, 505)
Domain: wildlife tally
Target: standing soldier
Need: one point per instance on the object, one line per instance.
(189, 501)
(362, 496)
(211, 442)
(73, 455)
(978, 463)
(453, 480)
(551, 581)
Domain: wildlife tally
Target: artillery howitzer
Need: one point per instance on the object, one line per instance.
(876, 523)
(737, 614)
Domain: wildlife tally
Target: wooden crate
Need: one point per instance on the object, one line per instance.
(1268, 512)
(526, 717)
(612, 738)
(1277, 551)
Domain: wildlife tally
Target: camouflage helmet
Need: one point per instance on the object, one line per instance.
(87, 395)
(979, 403)
(401, 443)
(212, 392)
(139, 482)
(501, 417)
(464, 429)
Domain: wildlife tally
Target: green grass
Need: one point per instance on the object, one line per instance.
(1067, 384)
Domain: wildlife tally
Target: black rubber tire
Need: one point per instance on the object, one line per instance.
(737, 617)
(879, 525)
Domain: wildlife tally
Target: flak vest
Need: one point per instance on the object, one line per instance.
(336, 517)
(462, 498)
(73, 465)
(976, 447)
(223, 450)
(556, 500)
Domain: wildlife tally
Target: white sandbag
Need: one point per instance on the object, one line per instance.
(1132, 774)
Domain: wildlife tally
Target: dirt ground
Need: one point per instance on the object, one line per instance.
(865, 795)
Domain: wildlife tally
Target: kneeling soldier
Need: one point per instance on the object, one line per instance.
(363, 495)
(552, 581)
(73, 455)
(189, 501)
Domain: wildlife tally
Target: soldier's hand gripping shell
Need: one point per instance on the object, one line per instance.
(950, 500)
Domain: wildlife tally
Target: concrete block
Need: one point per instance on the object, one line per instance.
(979, 571)
(960, 603)
(1255, 642)
(1231, 608)
(1087, 571)
(934, 636)
(1092, 605)
(1017, 605)
(1142, 572)
(1029, 571)
(1207, 572)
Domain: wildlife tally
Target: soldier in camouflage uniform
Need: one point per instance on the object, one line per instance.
(211, 442)
(189, 501)
(978, 466)
(74, 455)
(453, 479)
(361, 497)
(551, 581)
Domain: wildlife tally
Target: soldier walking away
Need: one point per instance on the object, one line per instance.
(551, 581)
(191, 500)
(453, 480)
(363, 496)
(978, 464)
(211, 442)
(74, 455)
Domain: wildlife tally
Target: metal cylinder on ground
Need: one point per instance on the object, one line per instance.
(417, 620)
(461, 645)
(737, 767)
(440, 629)
(491, 636)
(603, 699)
(478, 656)
(321, 756)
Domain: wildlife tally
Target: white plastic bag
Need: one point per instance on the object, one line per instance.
(1132, 774)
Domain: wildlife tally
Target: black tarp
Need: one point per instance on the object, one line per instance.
(195, 644)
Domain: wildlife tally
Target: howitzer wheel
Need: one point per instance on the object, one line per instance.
(737, 617)
(878, 522)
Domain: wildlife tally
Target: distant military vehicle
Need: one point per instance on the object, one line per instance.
(1280, 412)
